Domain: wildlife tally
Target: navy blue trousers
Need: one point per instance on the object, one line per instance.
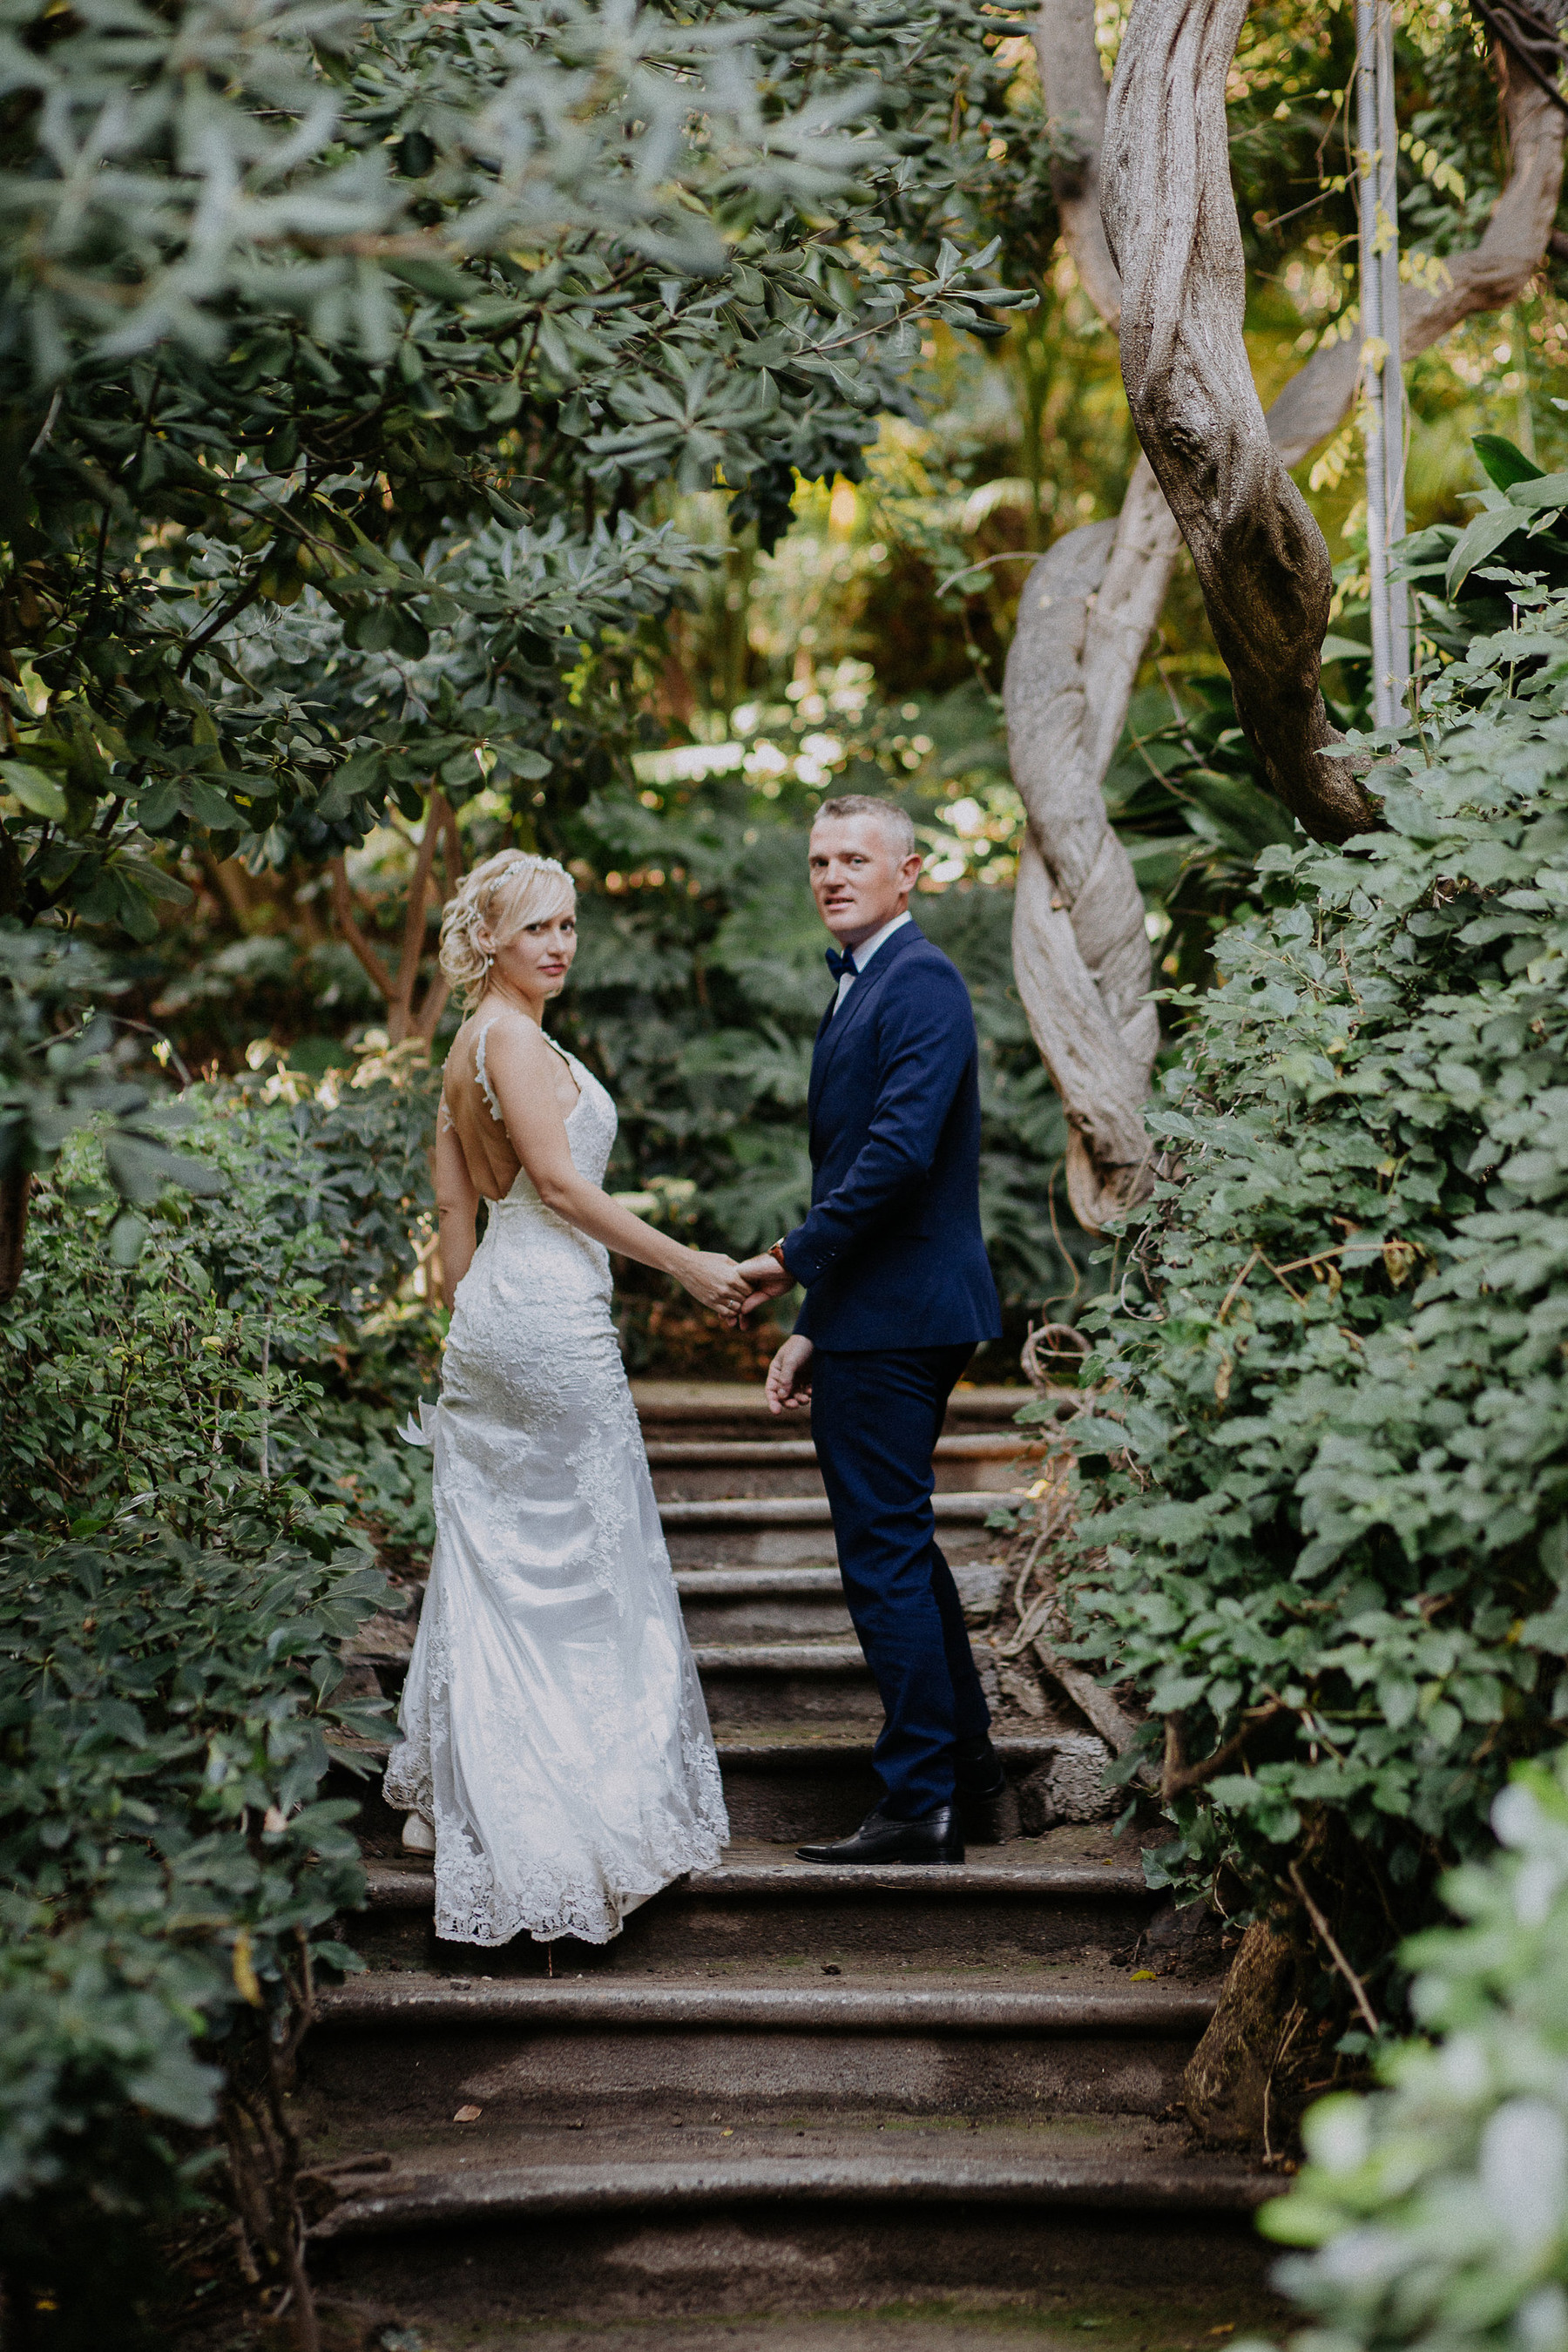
(876, 1419)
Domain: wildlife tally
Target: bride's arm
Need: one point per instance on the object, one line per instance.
(457, 1206)
(520, 1065)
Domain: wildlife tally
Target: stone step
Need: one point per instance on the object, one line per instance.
(784, 1785)
(748, 1624)
(726, 1409)
(395, 2051)
(775, 1530)
(750, 1683)
(761, 1904)
(967, 1509)
(707, 1469)
(791, 1790)
(760, 1683)
(734, 2219)
(733, 1603)
(755, 1453)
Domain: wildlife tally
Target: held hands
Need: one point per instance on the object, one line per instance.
(765, 1278)
(731, 1291)
(789, 1374)
(716, 1282)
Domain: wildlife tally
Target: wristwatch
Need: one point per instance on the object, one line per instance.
(777, 1251)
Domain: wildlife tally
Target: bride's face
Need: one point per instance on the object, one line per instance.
(536, 960)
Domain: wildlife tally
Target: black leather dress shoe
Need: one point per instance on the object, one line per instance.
(936, 1838)
(978, 1768)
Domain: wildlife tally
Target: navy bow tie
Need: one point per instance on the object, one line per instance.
(840, 965)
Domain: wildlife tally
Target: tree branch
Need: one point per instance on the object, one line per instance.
(1081, 956)
(1180, 1777)
(1495, 272)
(349, 924)
(1170, 219)
(413, 947)
(1073, 84)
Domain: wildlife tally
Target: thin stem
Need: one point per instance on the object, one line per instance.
(1325, 1934)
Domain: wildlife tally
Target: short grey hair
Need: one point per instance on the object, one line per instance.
(895, 822)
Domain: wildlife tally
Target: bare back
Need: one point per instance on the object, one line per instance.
(471, 1110)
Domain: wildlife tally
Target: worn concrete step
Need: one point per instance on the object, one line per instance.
(778, 1530)
(762, 1683)
(1130, 2318)
(731, 1604)
(968, 1509)
(789, 1791)
(755, 1453)
(762, 1904)
(526, 2226)
(725, 1409)
(712, 1469)
(784, 1785)
(751, 1684)
(774, 1645)
(392, 2048)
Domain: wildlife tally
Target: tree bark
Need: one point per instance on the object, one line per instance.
(1074, 87)
(1170, 219)
(1494, 273)
(1226, 2086)
(1076, 657)
(399, 987)
(16, 1193)
(1080, 948)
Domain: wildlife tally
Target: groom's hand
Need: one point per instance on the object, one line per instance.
(789, 1374)
(768, 1279)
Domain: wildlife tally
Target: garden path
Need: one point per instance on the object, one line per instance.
(786, 2091)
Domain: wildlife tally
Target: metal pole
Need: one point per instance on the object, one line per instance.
(1395, 427)
(1382, 379)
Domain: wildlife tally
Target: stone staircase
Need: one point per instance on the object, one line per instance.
(784, 2089)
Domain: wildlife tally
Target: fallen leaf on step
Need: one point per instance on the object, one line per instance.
(468, 2114)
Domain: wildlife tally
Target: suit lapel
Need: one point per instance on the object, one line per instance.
(837, 1025)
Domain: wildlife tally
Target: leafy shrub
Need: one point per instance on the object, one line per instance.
(169, 1625)
(166, 1875)
(249, 1337)
(1336, 1559)
(1439, 2204)
(54, 1083)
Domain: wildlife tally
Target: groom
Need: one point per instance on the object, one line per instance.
(898, 1295)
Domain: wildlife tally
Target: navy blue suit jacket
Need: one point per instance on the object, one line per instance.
(890, 1254)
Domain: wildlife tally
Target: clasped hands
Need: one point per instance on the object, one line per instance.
(731, 1291)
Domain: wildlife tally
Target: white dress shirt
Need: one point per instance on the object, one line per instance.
(862, 955)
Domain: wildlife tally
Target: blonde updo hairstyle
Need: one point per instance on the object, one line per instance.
(490, 906)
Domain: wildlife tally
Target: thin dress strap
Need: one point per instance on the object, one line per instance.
(482, 1075)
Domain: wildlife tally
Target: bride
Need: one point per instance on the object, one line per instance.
(555, 1754)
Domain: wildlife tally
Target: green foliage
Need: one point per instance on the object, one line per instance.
(1439, 2204)
(1336, 1559)
(170, 1622)
(167, 1869)
(416, 409)
(183, 1376)
(53, 1081)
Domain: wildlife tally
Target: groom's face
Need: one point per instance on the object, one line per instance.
(859, 878)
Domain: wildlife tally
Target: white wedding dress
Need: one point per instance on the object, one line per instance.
(553, 1727)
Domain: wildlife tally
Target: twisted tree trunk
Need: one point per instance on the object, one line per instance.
(1080, 953)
